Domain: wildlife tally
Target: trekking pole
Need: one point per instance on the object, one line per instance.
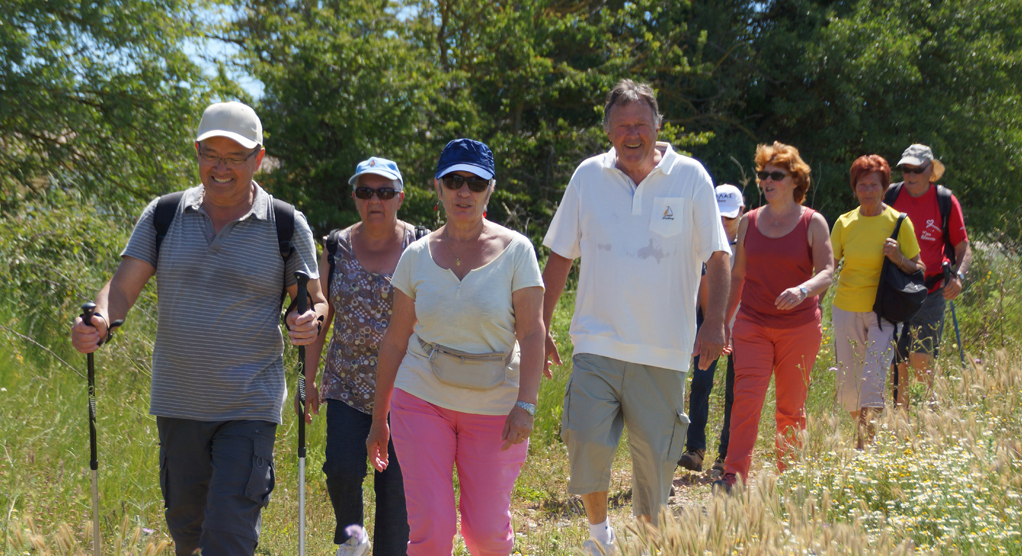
(954, 315)
(88, 310)
(303, 282)
(958, 335)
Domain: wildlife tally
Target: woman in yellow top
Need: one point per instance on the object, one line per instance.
(862, 238)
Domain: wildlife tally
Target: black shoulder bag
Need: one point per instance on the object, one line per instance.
(899, 295)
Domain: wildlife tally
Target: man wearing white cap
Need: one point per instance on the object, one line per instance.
(218, 383)
(940, 228)
(731, 203)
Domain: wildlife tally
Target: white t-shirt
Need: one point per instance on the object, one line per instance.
(474, 315)
(642, 250)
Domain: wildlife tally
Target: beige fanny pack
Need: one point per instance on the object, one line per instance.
(475, 371)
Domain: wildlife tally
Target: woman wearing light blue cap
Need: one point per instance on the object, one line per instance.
(460, 365)
(359, 262)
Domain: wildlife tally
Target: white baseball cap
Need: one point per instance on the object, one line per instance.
(729, 200)
(233, 120)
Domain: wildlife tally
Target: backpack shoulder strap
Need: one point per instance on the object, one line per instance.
(332, 241)
(163, 215)
(892, 193)
(284, 219)
(944, 205)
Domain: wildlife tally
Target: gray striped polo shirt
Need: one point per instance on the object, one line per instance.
(218, 352)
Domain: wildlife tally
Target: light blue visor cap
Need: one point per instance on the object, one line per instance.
(379, 166)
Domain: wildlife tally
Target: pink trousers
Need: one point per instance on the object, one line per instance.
(789, 355)
(430, 441)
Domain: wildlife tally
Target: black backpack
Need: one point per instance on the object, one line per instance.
(283, 215)
(943, 205)
(334, 238)
(900, 295)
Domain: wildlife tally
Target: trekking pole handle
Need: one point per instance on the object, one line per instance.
(303, 305)
(946, 267)
(88, 311)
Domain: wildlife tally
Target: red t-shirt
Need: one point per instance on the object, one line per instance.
(925, 215)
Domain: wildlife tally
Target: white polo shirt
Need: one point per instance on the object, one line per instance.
(642, 250)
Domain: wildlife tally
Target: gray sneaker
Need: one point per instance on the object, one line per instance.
(352, 547)
(593, 547)
(692, 460)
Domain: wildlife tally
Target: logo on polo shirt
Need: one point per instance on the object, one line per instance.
(668, 214)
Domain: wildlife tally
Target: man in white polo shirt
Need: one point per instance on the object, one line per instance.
(643, 219)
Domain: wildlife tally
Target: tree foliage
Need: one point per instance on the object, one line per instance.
(97, 96)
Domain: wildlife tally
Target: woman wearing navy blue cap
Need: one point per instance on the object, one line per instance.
(460, 365)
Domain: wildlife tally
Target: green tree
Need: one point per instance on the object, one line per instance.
(97, 96)
(843, 79)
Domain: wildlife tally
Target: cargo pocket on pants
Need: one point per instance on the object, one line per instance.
(164, 473)
(263, 478)
(678, 437)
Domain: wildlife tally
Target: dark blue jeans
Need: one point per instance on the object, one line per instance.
(216, 477)
(699, 402)
(346, 463)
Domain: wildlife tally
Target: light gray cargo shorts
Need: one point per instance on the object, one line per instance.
(605, 395)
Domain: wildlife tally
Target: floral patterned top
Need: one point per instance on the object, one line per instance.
(363, 303)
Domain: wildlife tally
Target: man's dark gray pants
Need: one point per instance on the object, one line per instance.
(216, 477)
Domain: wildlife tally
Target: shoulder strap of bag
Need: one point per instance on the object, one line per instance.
(163, 215)
(944, 205)
(332, 241)
(284, 221)
(897, 227)
(892, 194)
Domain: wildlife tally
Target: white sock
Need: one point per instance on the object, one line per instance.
(602, 531)
(357, 532)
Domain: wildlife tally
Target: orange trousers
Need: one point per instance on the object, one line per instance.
(786, 353)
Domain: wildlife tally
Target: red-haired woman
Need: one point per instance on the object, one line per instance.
(783, 263)
(862, 237)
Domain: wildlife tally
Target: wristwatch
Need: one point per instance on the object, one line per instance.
(804, 290)
(529, 408)
(961, 277)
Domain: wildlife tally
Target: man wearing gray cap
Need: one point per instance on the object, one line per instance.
(940, 229)
(218, 384)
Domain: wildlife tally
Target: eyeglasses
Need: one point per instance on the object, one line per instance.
(919, 170)
(384, 193)
(211, 159)
(454, 183)
(776, 176)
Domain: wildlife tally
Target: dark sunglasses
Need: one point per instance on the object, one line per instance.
(776, 176)
(384, 193)
(454, 183)
(918, 170)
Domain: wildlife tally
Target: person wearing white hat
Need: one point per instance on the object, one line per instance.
(731, 203)
(940, 230)
(218, 384)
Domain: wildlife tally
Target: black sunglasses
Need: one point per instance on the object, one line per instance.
(776, 176)
(384, 193)
(918, 170)
(454, 183)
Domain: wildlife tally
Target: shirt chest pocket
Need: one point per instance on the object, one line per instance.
(668, 216)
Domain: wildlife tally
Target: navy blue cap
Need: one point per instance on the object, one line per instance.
(467, 155)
